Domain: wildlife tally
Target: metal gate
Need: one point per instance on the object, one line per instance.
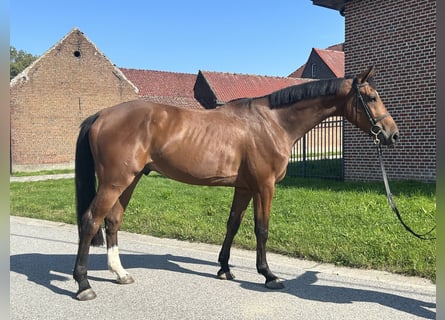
(319, 154)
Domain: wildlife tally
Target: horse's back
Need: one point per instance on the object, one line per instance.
(192, 146)
(206, 147)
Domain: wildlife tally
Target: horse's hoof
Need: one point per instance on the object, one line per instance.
(275, 284)
(127, 279)
(226, 275)
(86, 295)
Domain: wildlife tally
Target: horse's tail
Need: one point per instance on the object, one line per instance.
(85, 177)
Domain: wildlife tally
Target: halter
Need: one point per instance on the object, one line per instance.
(375, 129)
(422, 236)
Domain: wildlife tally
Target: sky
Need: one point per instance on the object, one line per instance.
(251, 37)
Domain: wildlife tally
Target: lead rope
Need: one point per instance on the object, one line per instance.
(393, 205)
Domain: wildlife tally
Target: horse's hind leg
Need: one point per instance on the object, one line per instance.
(112, 224)
(80, 268)
(92, 220)
(241, 199)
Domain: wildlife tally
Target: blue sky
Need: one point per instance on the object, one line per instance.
(252, 37)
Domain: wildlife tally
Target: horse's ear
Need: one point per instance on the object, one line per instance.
(366, 75)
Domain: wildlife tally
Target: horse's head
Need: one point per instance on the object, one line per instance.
(368, 111)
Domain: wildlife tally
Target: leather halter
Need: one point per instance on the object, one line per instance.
(375, 129)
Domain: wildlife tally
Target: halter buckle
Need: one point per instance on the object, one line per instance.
(375, 131)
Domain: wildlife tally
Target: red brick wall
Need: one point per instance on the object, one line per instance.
(399, 38)
(49, 101)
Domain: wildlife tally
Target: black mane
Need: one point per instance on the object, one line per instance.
(308, 90)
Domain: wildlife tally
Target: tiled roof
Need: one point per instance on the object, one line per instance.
(298, 73)
(229, 86)
(333, 56)
(177, 101)
(336, 47)
(164, 87)
(335, 60)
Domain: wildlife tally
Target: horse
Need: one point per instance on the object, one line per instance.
(244, 144)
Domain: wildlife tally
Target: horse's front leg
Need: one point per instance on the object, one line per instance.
(262, 206)
(112, 224)
(241, 199)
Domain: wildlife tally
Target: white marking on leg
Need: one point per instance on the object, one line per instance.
(114, 263)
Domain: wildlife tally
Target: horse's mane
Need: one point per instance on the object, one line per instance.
(308, 90)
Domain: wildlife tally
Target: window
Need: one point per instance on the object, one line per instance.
(313, 70)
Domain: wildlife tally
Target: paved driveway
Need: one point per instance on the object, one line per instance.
(176, 280)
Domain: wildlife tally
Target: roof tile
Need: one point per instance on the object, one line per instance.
(229, 86)
(335, 60)
(164, 87)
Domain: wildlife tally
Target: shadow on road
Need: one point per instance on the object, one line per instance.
(42, 269)
(305, 287)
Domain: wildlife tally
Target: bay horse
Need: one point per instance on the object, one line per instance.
(245, 144)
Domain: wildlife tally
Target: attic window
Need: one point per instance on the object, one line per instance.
(314, 71)
(77, 53)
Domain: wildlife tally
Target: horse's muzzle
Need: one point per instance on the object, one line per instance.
(387, 139)
(394, 138)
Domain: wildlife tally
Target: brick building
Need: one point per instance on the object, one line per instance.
(51, 97)
(399, 38)
(73, 79)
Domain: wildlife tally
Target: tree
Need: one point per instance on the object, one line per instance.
(19, 60)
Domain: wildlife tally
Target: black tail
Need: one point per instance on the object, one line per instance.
(85, 177)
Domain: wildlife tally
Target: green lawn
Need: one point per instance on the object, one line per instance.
(319, 168)
(345, 223)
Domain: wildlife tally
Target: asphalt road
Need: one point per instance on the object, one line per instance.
(177, 280)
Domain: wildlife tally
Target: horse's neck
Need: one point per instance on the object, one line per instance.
(301, 117)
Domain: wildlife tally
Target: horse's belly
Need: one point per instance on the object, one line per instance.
(197, 167)
(197, 178)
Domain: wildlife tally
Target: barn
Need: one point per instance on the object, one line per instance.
(74, 79)
(51, 97)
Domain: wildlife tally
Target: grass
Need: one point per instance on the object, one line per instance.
(40, 173)
(324, 168)
(344, 223)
